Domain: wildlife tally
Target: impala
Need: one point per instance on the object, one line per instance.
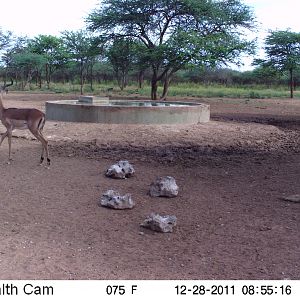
(23, 118)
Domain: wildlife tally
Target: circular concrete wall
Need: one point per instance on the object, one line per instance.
(128, 112)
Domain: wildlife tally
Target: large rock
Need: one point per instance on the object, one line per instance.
(120, 170)
(113, 199)
(292, 198)
(159, 223)
(164, 187)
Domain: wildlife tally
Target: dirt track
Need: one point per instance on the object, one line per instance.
(231, 172)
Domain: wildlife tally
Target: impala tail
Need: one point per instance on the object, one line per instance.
(41, 123)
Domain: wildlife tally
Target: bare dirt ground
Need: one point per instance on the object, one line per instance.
(231, 173)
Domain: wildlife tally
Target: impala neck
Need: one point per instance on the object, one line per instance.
(1, 104)
(2, 89)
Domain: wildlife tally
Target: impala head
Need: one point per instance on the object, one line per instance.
(3, 88)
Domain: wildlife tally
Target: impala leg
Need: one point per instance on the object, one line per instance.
(9, 135)
(3, 136)
(44, 143)
(42, 154)
(45, 148)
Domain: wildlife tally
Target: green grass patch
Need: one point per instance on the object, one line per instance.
(175, 90)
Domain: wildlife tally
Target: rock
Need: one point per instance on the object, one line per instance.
(164, 187)
(159, 223)
(292, 198)
(113, 199)
(115, 171)
(121, 170)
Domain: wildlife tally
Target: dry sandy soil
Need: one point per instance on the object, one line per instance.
(232, 173)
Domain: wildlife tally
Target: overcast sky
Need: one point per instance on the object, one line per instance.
(276, 14)
(34, 17)
(272, 15)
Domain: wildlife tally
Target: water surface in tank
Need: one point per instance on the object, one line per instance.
(128, 103)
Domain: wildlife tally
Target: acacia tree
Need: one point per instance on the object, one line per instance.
(26, 65)
(265, 74)
(121, 55)
(5, 40)
(283, 54)
(83, 48)
(175, 33)
(12, 57)
(53, 50)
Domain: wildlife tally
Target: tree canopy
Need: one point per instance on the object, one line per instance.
(5, 38)
(121, 55)
(52, 49)
(282, 50)
(81, 47)
(175, 33)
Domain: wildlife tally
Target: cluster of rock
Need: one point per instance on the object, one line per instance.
(120, 170)
(113, 199)
(161, 187)
(164, 187)
(159, 223)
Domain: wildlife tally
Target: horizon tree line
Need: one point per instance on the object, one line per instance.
(154, 39)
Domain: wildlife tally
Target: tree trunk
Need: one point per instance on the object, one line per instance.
(292, 83)
(121, 82)
(166, 87)
(28, 79)
(119, 76)
(81, 77)
(40, 79)
(154, 85)
(154, 90)
(141, 79)
(47, 76)
(91, 74)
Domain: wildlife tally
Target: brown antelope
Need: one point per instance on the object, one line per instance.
(23, 118)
